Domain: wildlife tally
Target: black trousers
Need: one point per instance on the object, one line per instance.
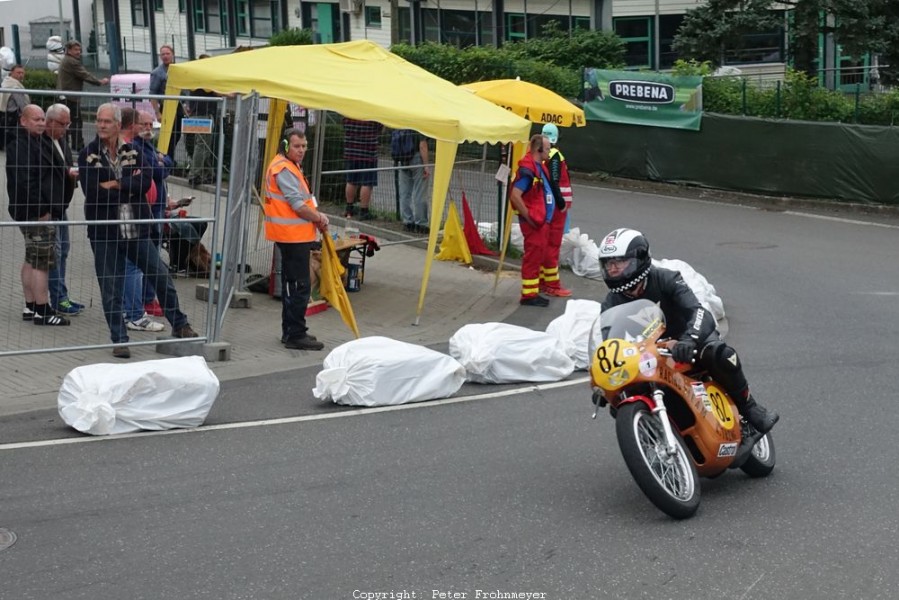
(295, 288)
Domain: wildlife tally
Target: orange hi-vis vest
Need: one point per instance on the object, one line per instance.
(282, 224)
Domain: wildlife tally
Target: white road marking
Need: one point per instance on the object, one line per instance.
(300, 419)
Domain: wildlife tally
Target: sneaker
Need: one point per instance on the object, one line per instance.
(558, 292)
(49, 320)
(121, 352)
(422, 229)
(153, 309)
(350, 211)
(185, 332)
(303, 343)
(365, 215)
(145, 323)
(408, 226)
(27, 314)
(537, 300)
(67, 307)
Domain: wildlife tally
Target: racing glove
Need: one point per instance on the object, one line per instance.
(684, 350)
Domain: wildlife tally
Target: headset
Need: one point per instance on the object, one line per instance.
(285, 138)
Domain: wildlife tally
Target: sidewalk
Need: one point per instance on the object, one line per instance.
(386, 306)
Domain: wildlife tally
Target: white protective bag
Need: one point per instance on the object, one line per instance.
(379, 371)
(503, 353)
(704, 291)
(105, 398)
(572, 329)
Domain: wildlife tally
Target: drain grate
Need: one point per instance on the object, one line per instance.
(7, 539)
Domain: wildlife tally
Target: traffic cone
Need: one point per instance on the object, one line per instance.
(453, 246)
(475, 243)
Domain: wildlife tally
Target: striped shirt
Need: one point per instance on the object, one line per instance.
(360, 140)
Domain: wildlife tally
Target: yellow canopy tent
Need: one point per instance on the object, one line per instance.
(360, 80)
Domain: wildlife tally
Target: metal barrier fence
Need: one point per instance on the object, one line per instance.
(89, 330)
(228, 206)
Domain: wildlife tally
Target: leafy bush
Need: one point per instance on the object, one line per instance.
(292, 37)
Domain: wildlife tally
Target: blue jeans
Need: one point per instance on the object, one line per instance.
(110, 263)
(413, 197)
(57, 281)
(133, 298)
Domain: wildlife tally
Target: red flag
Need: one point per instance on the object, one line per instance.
(470, 228)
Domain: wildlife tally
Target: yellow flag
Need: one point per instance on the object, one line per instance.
(454, 245)
(331, 285)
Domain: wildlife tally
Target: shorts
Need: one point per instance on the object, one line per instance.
(369, 178)
(40, 246)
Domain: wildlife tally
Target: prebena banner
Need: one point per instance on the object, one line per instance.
(637, 98)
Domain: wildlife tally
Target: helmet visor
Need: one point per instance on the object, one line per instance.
(618, 268)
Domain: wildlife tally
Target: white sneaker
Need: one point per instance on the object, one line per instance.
(145, 323)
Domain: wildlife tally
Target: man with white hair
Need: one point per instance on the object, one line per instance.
(65, 179)
(115, 179)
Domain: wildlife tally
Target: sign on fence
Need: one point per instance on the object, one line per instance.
(636, 98)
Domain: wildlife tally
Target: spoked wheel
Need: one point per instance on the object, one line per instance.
(761, 461)
(670, 481)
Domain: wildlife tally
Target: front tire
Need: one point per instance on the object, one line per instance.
(762, 458)
(670, 482)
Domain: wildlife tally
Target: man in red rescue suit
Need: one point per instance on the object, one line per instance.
(533, 199)
(292, 221)
(550, 284)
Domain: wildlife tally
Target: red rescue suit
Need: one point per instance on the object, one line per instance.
(549, 272)
(532, 178)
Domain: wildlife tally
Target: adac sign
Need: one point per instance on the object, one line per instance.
(647, 92)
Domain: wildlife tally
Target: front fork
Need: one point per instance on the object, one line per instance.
(658, 398)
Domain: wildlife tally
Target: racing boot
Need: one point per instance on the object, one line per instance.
(758, 416)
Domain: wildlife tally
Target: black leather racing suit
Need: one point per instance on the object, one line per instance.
(686, 318)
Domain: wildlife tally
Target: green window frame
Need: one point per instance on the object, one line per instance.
(636, 33)
(199, 16)
(516, 27)
(139, 15)
(243, 18)
(159, 5)
(373, 17)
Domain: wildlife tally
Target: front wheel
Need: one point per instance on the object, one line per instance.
(670, 482)
(761, 460)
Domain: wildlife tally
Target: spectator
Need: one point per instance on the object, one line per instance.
(139, 302)
(159, 78)
(65, 180)
(115, 180)
(411, 179)
(71, 78)
(11, 104)
(201, 165)
(532, 198)
(30, 199)
(291, 221)
(360, 151)
(550, 283)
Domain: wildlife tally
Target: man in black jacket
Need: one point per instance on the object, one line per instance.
(628, 271)
(115, 179)
(31, 199)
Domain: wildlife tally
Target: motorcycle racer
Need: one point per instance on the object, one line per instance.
(627, 270)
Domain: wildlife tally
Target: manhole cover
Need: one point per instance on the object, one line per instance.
(748, 245)
(7, 539)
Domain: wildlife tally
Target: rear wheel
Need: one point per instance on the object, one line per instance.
(761, 461)
(669, 481)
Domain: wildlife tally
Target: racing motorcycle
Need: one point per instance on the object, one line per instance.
(673, 422)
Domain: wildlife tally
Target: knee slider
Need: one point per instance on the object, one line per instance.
(724, 356)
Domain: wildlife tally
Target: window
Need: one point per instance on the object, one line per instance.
(243, 27)
(582, 23)
(765, 46)
(636, 32)
(516, 27)
(158, 5)
(139, 16)
(216, 16)
(182, 6)
(668, 26)
(262, 17)
(373, 17)
(199, 16)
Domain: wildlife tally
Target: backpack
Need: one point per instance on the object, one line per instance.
(402, 145)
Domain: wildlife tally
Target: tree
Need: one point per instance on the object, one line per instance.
(859, 26)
